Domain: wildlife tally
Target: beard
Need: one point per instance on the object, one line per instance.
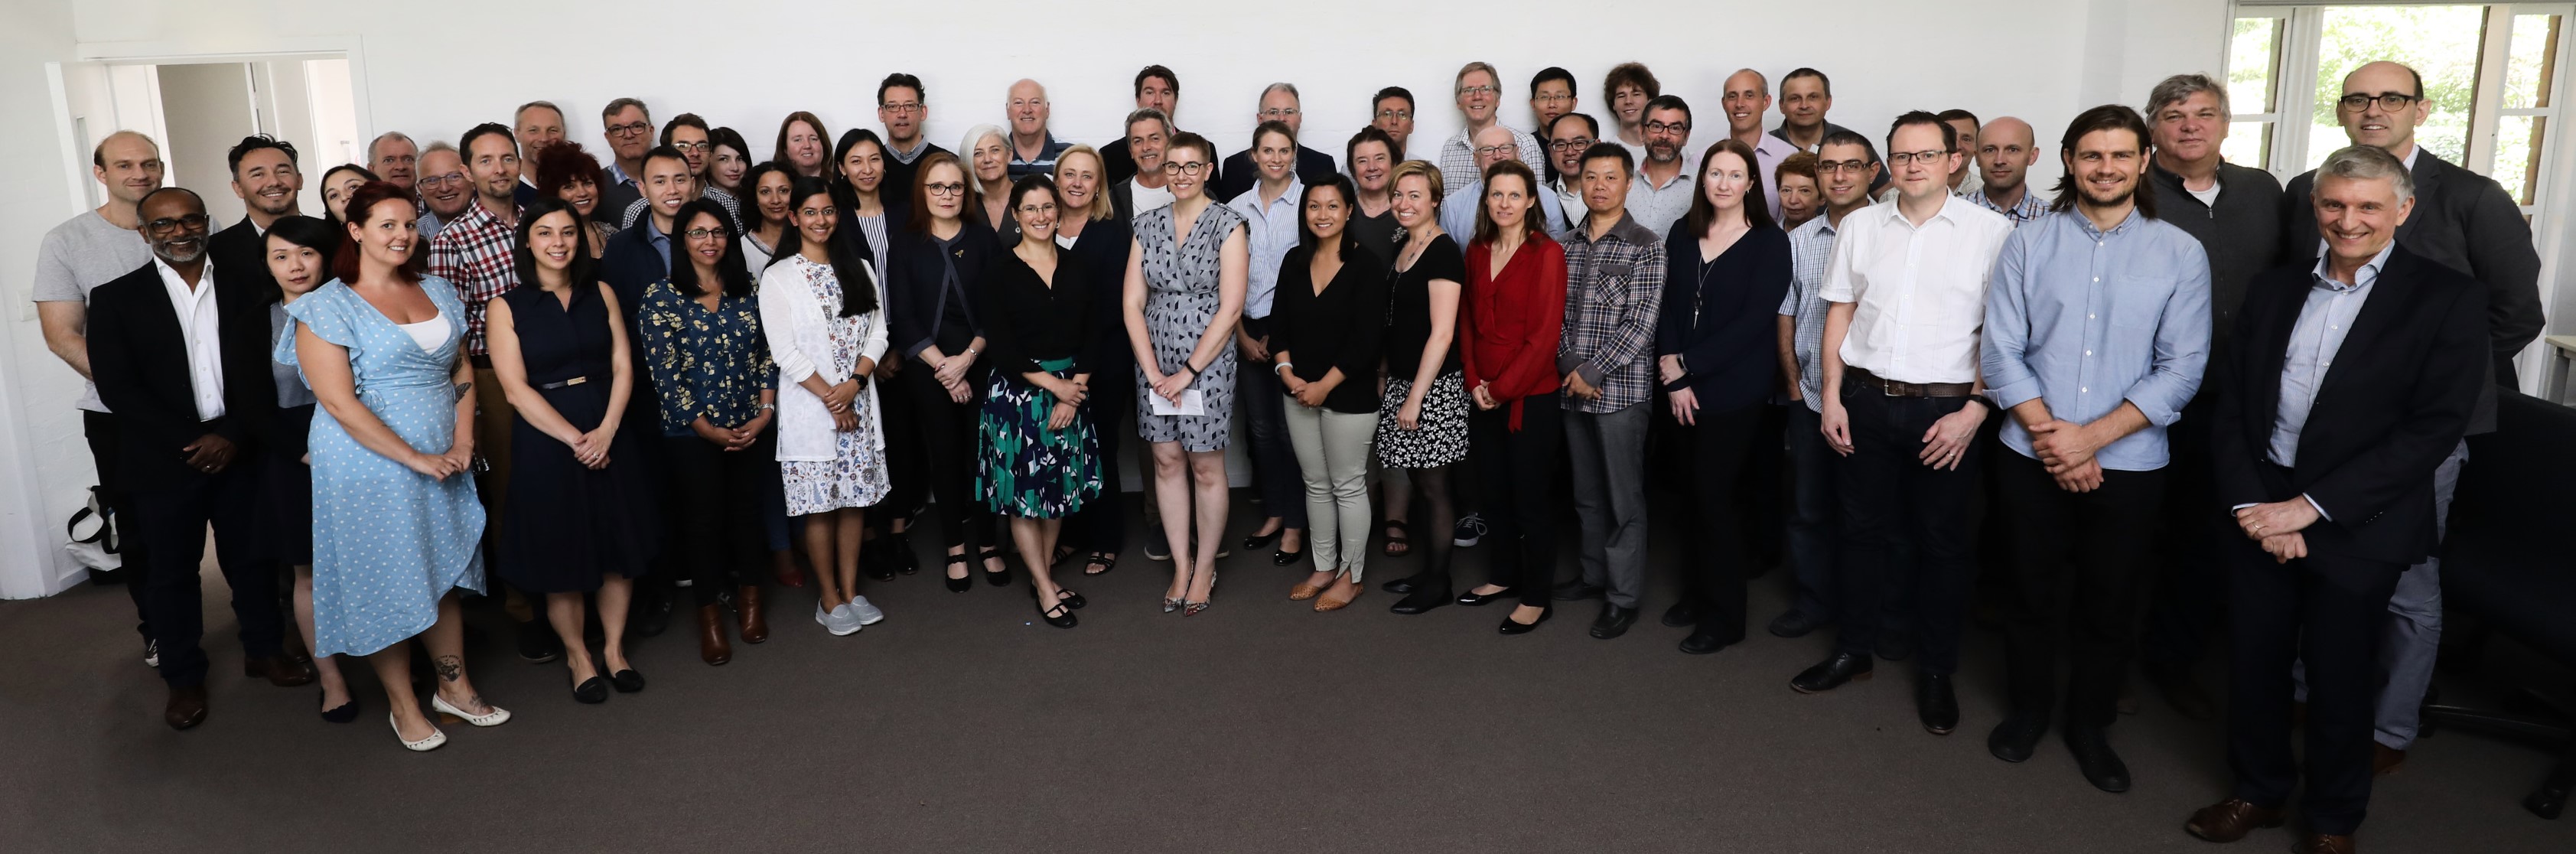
(2115, 199)
(169, 250)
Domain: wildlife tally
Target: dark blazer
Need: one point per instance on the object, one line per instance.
(1237, 174)
(240, 256)
(629, 263)
(912, 286)
(2395, 403)
(139, 358)
(1722, 322)
(2464, 221)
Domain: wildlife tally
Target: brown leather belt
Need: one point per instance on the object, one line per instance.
(1893, 388)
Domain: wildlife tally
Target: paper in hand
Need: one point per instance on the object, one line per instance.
(1192, 403)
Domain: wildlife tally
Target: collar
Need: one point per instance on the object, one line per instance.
(616, 175)
(1045, 147)
(652, 233)
(1625, 230)
(1251, 198)
(1895, 209)
(1823, 223)
(170, 277)
(2413, 152)
(2086, 222)
(920, 146)
(2363, 278)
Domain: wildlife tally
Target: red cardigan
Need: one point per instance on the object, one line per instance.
(1511, 323)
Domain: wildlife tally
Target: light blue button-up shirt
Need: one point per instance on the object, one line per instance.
(2324, 320)
(1274, 231)
(1458, 213)
(2084, 319)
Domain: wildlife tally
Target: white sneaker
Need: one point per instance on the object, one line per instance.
(841, 622)
(867, 614)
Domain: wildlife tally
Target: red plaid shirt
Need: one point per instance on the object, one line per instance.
(474, 253)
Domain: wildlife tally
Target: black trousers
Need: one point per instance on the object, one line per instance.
(1518, 470)
(2187, 582)
(1101, 524)
(717, 533)
(1891, 499)
(1762, 494)
(106, 449)
(2329, 611)
(947, 451)
(1722, 449)
(2077, 554)
(174, 517)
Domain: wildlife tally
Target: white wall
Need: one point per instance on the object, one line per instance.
(44, 465)
(746, 64)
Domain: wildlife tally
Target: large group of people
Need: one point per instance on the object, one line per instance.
(600, 380)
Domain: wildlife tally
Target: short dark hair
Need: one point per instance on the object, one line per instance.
(363, 201)
(255, 142)
(664, 152)
(465, 144)
(687, 120)
(903, 80)
(1552, 73)
(623, 103)
(524, 260)
(1186, 139)
(309, 233)
(1610, 150)
(1631, 74)
(1369, 133)
(1955, 114)
(1030, 183)
(733, 273)
(1822, 81)
(1949, 135)
(1801, 163)
(1846, 137)
(1152, 71)
(2102, 118)
(1273, 126)
(1591, 125)
(1390, 92)
(1667, 102)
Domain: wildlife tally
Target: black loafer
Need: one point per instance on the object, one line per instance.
(2094, 757)
(1839, 668)
(1705, 642)
(1398, 585)
(2015, 738)
(1936, 703)
(1794, 623)
(1473, 598)
(997, 579)
(1683, 614)
(1513, 627)
(1613, 622)
(593, 690)
(627, 681)
(1258, 540)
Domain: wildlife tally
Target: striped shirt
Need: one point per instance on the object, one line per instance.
(1811, 246)
(473, 251)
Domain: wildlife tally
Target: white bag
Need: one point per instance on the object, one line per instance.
(97, 550)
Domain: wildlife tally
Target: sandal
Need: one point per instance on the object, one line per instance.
(1061, 552)
(1397, 544)
(1104, 560)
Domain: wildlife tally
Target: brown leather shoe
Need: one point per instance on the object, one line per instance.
(713, 648)
(1338, 596)
(2323, 843)
(187, 707)
(746, 608)
(2385, 760)
(280, 670)
(1303, 591)
(2230, 820)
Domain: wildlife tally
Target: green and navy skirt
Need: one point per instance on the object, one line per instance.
(1025, 469)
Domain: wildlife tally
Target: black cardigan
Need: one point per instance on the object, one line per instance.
(1343, 327)
(913, 286)
(1723, 323)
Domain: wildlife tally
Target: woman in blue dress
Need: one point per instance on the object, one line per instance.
(395, 522)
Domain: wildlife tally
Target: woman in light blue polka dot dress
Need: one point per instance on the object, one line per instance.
(395, 522)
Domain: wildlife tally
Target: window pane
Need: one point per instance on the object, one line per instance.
(2249, 64)
(2534, 61)
(2248, 144)
(2517, 157)
(2439, 42)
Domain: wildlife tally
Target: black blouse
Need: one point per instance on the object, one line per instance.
(1333, 329)
(1027, 322)
(1101, 252)
(1409, 308)
(1377, 234)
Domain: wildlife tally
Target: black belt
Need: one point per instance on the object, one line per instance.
(565, 383)
(1894, 388)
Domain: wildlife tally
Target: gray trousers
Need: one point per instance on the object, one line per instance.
(2413, 635)
(1609, 453)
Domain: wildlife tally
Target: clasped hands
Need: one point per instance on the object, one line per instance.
(2066, 449)
(2278, 526)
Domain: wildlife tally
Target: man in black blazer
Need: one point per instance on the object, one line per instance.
(182, 356)
(1238, 173)
(2352, 380)
(266, 179)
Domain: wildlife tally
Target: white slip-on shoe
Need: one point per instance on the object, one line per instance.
(867, 614)
(842, 621)
(437, 737)
(496, 717)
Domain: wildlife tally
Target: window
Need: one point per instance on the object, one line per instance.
(2524, 103)
(2253, 60)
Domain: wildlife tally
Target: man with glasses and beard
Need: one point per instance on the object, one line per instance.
(1669, 177)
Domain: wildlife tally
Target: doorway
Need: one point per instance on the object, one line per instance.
(199, 109)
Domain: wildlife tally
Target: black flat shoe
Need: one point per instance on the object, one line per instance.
(344, 712)
(1936, 702)
(1398, 585)
(1067, 598)
(874, 560)
(1060, 616)
(958, 584)
(1473, 599)
(1613, 622)
(997, 579)
(2094, 757)
(2015, 738)
(1423, 598)
(903, 559)
(1831, 673)
(1258, 540)
(1704, 642)
(1284, 557)
(593, 690)
(657, 616)
(1516, 627)
(627, 681)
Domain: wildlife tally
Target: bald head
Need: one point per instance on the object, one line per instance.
(2006, 148)
(129, 163)
(1027, 110)
(2366, 107)
(1747, 97)
(1494, 145)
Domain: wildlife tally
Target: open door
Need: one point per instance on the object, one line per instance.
(199, 109)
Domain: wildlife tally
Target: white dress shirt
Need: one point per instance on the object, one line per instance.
(200, 325)
(1920, 290)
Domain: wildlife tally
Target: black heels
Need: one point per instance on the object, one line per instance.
(959, 584)
(997, 578)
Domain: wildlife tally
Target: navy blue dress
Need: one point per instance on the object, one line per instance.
(566, 526)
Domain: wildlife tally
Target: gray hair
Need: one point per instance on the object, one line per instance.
(620, 104)
(2366, 163)
(380, 140)
(2172, 90)
(966, 156)
(441, 145)
(1290, 88)
(1144, 113)
(531, 105)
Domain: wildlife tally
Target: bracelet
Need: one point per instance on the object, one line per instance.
(1282, 367)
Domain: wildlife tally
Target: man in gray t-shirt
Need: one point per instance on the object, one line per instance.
(85, 252)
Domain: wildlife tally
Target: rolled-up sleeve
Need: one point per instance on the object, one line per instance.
(2182, 341)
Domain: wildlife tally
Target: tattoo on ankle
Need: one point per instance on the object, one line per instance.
(450, 668)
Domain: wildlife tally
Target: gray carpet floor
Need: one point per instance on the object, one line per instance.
(962, 724)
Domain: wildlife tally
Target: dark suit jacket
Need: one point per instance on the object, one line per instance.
(2391, 408)
(1237, 175)
(240, 256)
(2463, 221)
(629, 263)
(139, 358)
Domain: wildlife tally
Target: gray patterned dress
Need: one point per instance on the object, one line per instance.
(1180, 301)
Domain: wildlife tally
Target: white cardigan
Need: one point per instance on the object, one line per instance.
(799, 328)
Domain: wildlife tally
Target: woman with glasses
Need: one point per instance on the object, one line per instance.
(1324, 335)
(1422, 416)
(1726, 271)
(396, 528)
(1097, 239)
(801, 141)
(823, 315)
(566, 172)
(580, 516)
(704, 349)
(299, 257)
(936, 288)
(988, 151)
(1508, 325)
(1039, 461)
(1185, 282)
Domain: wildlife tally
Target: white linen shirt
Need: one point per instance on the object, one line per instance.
(1920, 291)
(200, 325)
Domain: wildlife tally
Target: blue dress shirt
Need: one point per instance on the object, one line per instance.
(2085, 319)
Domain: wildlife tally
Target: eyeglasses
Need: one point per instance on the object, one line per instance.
(1395, 115)
(1579, 143)
(704, 233)
(2390, 101)
(1667, 127)
(944, 189)
(1048, 208)
(1477, 90)
(1193, 168)
(692, 147)
(900, 109)
(1279, 113)
(427, 181)
(1901, 158)
(1828, 167)
(190, 222)
(1491, 150)
(635, 129)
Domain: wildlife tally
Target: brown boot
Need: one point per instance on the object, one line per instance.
(746, 607)
(712, 645)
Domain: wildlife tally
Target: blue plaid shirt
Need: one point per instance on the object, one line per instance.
(1811, 247)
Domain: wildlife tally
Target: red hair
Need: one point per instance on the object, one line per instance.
(362, 207)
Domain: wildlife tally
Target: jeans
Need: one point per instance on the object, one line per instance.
(1815, 514)
(1333, 449)
(1609, 462)
(1262, 404)
(2076, 554)
(1518, 470)
(1890, 498)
